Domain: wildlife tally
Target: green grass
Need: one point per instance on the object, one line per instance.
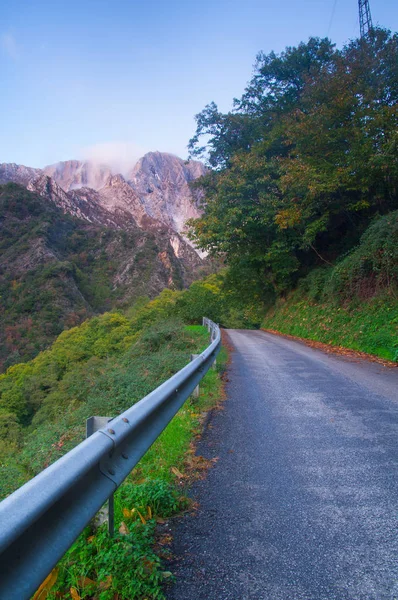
(370, 326)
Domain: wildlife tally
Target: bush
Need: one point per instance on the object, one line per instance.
(313, 286)
(370, 267)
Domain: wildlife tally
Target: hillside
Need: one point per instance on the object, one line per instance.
(103, 367)
(304, 189)
(353, 304)
(57, 269)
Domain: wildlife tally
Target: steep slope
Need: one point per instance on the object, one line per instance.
(56, 269)
(17, 173)
(118, 200)
(162, 183)
(83, 203)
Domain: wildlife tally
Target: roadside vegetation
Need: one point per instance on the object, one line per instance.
(101, 368)
(131, 564)
(98, 368)
(303, 196)
(371, 327)
(353, 304)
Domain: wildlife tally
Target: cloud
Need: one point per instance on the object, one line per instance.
(9, 45)
(120, 156)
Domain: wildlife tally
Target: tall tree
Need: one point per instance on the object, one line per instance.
(308, 155)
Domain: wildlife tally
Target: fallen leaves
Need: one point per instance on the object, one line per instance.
(105, 585)
(165, 539)
(123, 529)
(134, 512)
(86, 582)
(74, 594)
(47, 585)
(176, 472)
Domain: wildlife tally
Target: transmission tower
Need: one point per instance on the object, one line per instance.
(365, 18)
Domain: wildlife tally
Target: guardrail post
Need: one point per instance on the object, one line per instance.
(206, 323)
(107, 513)
(196, 392)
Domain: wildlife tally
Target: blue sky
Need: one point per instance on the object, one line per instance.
(113, 80)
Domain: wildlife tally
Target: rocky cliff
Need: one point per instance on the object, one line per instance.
(155, 189)
(17, 173)
(161, 182)
(73, 174)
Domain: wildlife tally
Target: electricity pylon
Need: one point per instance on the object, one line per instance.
(365, 18)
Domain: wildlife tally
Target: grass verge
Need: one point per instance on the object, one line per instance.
(370, 327)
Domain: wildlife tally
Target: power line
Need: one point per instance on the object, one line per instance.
(331, 17)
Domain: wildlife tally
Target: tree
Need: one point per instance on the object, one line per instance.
(306, 158)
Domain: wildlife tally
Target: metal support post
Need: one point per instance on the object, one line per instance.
(196, 392)
(107, 512)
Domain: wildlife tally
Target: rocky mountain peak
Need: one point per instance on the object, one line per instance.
(155, 193)
(17, 173)
(161, 181)
(115, 180)
(74, 174)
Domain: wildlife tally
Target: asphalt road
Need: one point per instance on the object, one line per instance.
(303, 501)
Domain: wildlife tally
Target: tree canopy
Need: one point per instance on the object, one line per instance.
(305, 159)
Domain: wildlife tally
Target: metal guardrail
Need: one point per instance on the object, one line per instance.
(42, 519)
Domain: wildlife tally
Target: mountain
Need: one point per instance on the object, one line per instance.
(83, 203)
(161, 181)
(17, 173)
(78, 239)
(63, 258)
(156, 187)
(73, 174)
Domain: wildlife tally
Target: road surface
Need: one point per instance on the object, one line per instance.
(303, 501)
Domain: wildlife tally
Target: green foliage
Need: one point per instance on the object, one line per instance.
(159, 495)
(99, 367)
(202, 298)
(370, 267)
(353, 304)
(313, 286)
(370, 327)
(126, 565)
(304, 162)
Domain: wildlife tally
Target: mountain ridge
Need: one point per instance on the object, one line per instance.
(155, 191)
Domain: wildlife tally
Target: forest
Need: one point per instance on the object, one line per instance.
(304, 163)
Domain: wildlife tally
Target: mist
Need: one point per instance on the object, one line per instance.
(119, 156)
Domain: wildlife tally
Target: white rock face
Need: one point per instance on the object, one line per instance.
(17, 173)
(118, 195)
(83, 206)
(154, 194)
(161, 182)
(73, 174)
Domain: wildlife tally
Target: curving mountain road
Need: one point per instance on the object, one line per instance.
(303, 501)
